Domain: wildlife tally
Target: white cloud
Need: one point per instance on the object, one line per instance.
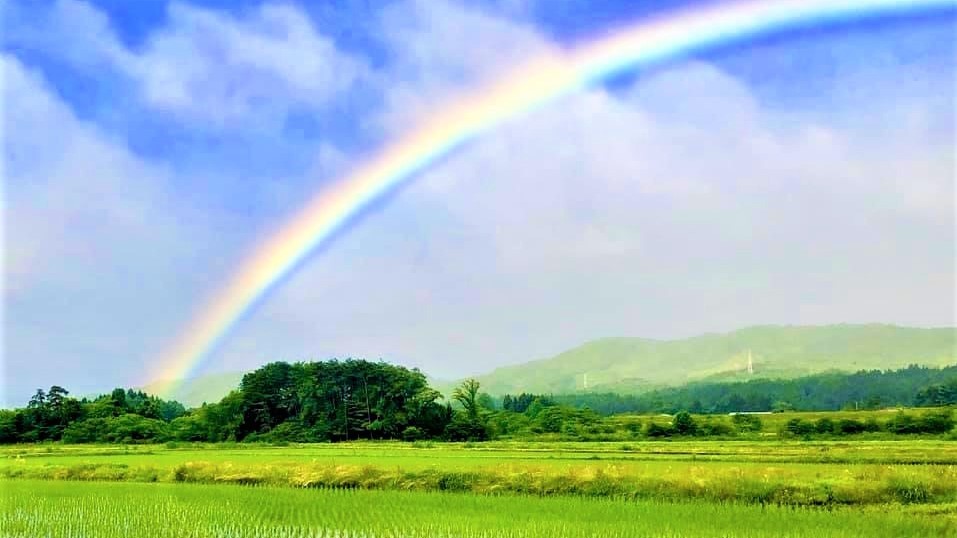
(440, 49)
(612, 214)
(218, 67)
(75, 31)
(57, 182)
(203, 65)
(102, 256)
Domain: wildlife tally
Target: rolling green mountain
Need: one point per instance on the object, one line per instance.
(631, 364)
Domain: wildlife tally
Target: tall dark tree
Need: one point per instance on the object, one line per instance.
(684, 424)
(268, 397)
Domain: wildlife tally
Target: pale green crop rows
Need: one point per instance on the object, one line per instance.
(72, 510)
(793, 473)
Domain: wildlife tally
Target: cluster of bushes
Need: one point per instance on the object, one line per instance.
(683, 424)
(544, 418)
(901, 424)
(127, 428)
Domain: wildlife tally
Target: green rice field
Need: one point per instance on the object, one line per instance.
(372, 489)
(102, 509)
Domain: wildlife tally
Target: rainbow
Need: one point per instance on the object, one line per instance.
(555, 74)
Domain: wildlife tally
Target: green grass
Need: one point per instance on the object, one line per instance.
(759, 472)
(107, 510)
(743, 488)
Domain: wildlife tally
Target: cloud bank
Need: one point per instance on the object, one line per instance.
(680, 202)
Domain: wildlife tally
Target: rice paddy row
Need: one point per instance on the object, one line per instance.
(795, 474)
(108, 510)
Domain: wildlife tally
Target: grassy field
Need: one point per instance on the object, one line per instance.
(750, 486)
(181, 510)
(753, 472)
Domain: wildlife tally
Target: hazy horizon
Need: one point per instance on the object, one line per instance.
(462, 375)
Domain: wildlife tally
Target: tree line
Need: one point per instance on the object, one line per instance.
(118, 416)
(544, 418)
(913, 386)
(900, 424)
(304, 402)
(356, 399)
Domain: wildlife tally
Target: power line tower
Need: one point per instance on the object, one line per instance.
(750, 364)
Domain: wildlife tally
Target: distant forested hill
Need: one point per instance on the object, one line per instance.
(912, 386)
(629, 365)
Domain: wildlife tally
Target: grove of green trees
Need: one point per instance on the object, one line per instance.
(122, 415)
(304, 402)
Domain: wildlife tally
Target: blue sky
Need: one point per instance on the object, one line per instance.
(806, 178)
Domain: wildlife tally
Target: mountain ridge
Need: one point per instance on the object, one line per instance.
(632, 364)
(781, 350)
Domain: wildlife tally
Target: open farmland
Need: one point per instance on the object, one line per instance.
(753, 472)
(174, 510)
(478, 269)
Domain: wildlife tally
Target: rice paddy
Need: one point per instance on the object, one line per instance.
(677, 488)
(72, 509)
